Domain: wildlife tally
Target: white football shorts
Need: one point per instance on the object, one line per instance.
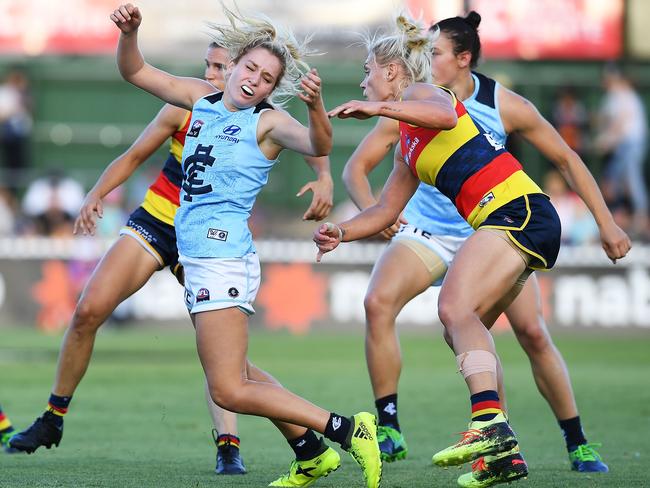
(218, 283)
(442, 247)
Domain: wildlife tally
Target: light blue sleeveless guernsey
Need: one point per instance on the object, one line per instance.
(429, 209)
(223, 171)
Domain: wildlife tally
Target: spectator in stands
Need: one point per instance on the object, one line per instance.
(570, 119)
(578, 226)
(15, 125)
(622, 140)
(7, 212)
(52, 202)
(113, 214)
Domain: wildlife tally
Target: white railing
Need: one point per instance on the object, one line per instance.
(288, 251)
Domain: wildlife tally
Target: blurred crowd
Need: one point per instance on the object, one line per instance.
(616, 136)
(612, 141)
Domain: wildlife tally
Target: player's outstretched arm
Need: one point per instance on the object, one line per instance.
(399, 188)
(322, 189)
(119, 170)
(366, 157)
(179, 91)
(422, 105)
(523, 117)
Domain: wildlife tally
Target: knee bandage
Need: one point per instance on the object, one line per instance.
(477, 361)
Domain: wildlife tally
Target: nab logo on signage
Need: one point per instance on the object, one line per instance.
(232, 130)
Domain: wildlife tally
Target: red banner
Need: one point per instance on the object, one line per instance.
(551, 29)
(539, 29)
(38, 27)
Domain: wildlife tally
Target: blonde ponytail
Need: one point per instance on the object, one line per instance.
(409, 45)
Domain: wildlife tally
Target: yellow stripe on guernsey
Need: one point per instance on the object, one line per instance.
(176, 148)
(159, 207)
(442, 147)
(516, 185)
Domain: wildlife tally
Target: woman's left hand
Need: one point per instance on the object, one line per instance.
(311, 88)
(356, 109)
(327, 237)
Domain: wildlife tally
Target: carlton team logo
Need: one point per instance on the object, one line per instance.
(195, 129)
(203, 295)
(194, 167)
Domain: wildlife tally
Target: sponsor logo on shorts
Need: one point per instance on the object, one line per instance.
(217, 234)
(233, 292)
(142, 231)
(195, 129)
(486, 199)
(203, 295)
(188, 297)
(509, 220)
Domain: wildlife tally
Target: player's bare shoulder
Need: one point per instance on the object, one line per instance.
(172, 116)
(424, 91)
(517, 112)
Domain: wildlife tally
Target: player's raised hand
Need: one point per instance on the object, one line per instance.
(327, 237)
(311, 88)
(127, 18)
(615, 241)
(356, 109)
(322, 198)
(91, 208)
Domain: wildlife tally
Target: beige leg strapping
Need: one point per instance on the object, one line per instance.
(477, 361)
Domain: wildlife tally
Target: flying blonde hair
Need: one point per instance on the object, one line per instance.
(244, 33)
(409, 45)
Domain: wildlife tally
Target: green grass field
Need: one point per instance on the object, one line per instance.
(139, 418)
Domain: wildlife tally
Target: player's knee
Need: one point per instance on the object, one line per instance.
(228, 397)
(452, 313)
(378, 305)
(534, 339)
(87, 315)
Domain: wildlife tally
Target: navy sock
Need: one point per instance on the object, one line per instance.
(387, 411)
(307, 446)
(337, 429)
(57, 407)
(485, 405)
(227, 440)
(573, 434)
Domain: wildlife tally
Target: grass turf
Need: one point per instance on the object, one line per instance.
(139, 418)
